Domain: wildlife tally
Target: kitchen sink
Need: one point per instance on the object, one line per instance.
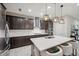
(49, 37)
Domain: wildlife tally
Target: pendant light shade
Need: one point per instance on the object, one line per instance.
(55, 19)
(46, 16)
(61, 21)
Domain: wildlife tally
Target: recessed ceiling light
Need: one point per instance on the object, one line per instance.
(49, 7)
(29, 10)
(20, 9)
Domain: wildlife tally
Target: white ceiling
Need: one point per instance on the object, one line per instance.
(69, 8)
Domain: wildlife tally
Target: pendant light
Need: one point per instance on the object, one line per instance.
(55, 18)
(46, 16)
(61, 21)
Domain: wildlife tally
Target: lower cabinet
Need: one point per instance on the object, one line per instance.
(21, 51)
(17, 42)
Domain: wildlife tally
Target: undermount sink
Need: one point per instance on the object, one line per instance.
(49, 37)
(37, 33)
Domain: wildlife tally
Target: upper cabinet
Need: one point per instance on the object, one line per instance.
(18, 23)
(43, 24)
(15, 22)
(28, 24)
(46, 24)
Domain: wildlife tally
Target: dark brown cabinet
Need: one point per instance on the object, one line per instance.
(45, 24)
(19, 22)
(9, 21)
(15, 22)
(29, 24)
(19, 42)
(23, 40)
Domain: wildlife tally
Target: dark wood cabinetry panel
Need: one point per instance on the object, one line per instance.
(45, 24)
(10, 21)
(19, 42)
(29, 24)
(19, 22)
(42, 24)
(15, 22)
(23, 40)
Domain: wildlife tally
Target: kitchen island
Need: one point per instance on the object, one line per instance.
(44, 43)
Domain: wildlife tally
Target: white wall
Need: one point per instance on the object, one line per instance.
(58, 29)
(65, 29)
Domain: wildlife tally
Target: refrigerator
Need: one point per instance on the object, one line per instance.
(4, 32)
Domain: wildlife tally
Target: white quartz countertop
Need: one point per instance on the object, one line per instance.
(43, 43)
(18, 33)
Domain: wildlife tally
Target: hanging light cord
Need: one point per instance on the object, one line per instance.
(55, 9)
(61, 10)
(46, 8)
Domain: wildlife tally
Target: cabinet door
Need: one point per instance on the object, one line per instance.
(9, 19)
(43, 24)
(46, 25)
(18, 23)
(29, 24)
(19, 42)
(15, 22)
